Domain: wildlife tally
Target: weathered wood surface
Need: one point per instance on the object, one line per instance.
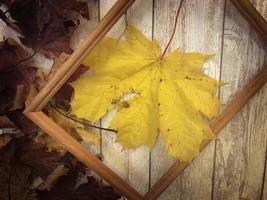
(208, 28)
(234, 165)
(199, 29)
(228, 168)
(241, 146)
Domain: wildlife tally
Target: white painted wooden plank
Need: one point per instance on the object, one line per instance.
(199, 29)
(261, 6)
(241, 146)
(132, 166)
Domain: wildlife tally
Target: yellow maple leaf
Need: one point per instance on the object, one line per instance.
(171, 94)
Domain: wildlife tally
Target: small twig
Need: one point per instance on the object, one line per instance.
(173, 31)
(78, 121)
(28, 58)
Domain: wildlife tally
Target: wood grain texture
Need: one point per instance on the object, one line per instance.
(133, 166)
(252, 16)
(241, 146)
(199, 29)
(261, 6)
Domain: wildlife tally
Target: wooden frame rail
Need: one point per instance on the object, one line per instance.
(33, 110)
(216, 125)
(252, 16)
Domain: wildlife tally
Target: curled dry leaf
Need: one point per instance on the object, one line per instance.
(44, 24)
(16, 78)
(20, 162)
(37, 156)
(17, 85)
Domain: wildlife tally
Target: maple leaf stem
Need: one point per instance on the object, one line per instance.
(173, 31)
(80, 122)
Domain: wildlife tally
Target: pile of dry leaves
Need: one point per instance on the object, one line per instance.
(33, 166)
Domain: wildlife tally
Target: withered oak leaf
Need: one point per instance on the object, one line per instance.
(13, 72)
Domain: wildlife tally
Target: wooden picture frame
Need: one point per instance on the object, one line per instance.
(34, 109)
